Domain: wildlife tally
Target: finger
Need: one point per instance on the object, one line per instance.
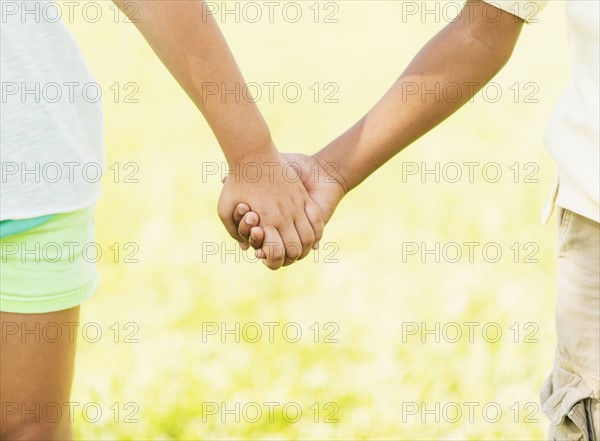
(249, 221)
(306, 235)
(239, 212)
(273, 248)
(238, 215)
(227, 219)
(257, 236)
(316, 221)
(291, 242)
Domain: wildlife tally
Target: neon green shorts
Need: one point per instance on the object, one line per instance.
(49, 267)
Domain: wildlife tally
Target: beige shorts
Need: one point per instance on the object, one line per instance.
(570, 396)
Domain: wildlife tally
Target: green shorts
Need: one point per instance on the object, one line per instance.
(47, 268)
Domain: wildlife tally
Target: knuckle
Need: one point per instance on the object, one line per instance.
(293, 250)
(292, 254)
(277, 255)
(308, 241)
(319, 233)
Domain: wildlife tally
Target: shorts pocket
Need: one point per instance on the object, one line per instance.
(564, 224)
(569, 406)
(577, 425)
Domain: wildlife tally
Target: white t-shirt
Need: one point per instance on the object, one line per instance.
(572, 135)
(51, 125)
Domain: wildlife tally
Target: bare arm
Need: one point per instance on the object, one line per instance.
(188, 41)
(467, 53)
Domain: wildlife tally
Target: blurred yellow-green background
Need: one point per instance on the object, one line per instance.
(372, 371)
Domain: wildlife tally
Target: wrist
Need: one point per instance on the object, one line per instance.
(334, 169)
(257, 152)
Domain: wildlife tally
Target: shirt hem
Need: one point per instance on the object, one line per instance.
(46, 212)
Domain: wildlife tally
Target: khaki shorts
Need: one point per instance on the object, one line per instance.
(570, 396)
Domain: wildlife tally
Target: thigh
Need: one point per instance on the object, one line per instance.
(578, 296)
(571, 393)
(36, 365)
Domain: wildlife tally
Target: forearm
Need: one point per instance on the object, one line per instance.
(466, 54)
(188, 41)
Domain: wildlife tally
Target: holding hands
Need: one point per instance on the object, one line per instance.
(282, 210)
(282, 227)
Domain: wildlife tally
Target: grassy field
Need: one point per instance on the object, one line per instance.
(371, 338)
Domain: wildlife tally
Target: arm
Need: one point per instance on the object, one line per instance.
(188, 41)
(467, 52)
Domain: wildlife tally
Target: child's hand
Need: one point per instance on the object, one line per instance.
(290, 221)
(325, 187)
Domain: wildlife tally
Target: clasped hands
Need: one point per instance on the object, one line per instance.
(279, 204)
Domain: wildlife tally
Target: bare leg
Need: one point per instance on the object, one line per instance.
(36, 372)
